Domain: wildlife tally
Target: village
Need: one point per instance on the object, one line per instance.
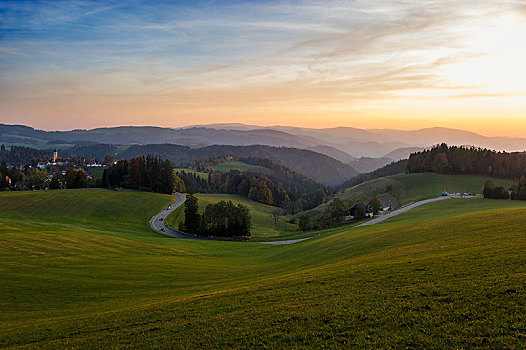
(55, 172)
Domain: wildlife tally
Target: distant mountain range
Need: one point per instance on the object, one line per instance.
(362, 149)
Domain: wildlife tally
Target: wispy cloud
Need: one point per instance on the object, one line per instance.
(277, 56)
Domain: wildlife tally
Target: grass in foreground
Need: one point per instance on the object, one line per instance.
(455, 281)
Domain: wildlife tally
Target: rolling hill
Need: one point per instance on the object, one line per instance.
(104, 279)
(241, 166)
(367, 164)
(129, 135)
(414, 187)
(408, 188)
(263, 227)
(316, 166)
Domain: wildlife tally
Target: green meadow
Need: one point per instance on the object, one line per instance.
(263, 226)
(96, 172)
(241, 166)
(200, 174)
(83, 269)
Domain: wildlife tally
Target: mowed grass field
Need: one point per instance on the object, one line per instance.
(78, 272)
(263, 226)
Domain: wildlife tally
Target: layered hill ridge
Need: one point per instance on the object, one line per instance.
(353, 142)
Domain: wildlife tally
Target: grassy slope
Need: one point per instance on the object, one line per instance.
(237, 165)
(263, 223)
(423, 282)
(176, 217)
(410, 188)
(414, 187)
(96, 172)
(190, 171)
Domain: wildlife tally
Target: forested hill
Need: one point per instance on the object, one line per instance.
(18, 154)
(443, 159)
(316, 166)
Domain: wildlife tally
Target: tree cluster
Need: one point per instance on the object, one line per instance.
(222, 219)
(518, 190)
(443, 159)
(75, 178)
(284, 188)
(515, 192)
(141, 173)
(23, 155)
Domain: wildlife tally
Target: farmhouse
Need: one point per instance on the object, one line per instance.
(367, 211)
(388, 202)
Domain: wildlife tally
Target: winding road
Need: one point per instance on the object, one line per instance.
(158, 222)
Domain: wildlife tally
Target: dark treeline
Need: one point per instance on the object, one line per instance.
(97, 151)
(141, 173)
(515, 192)
(284, 188)
(394, 168)
(222, 219)
(22, 155)
(446, 160)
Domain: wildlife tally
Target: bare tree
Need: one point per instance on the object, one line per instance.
(276, 214)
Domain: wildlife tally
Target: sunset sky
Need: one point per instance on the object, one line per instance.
(366, 64)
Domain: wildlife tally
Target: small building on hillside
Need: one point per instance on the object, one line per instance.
(42, 165)
(388, 202)
(367, 211)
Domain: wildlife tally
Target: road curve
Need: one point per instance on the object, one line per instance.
(158, 222)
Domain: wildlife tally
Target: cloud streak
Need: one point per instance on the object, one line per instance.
(269, 59)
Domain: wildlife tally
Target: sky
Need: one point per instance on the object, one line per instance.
(366, 64)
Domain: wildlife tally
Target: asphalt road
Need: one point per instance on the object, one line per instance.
(158, 222)
(407, 208)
